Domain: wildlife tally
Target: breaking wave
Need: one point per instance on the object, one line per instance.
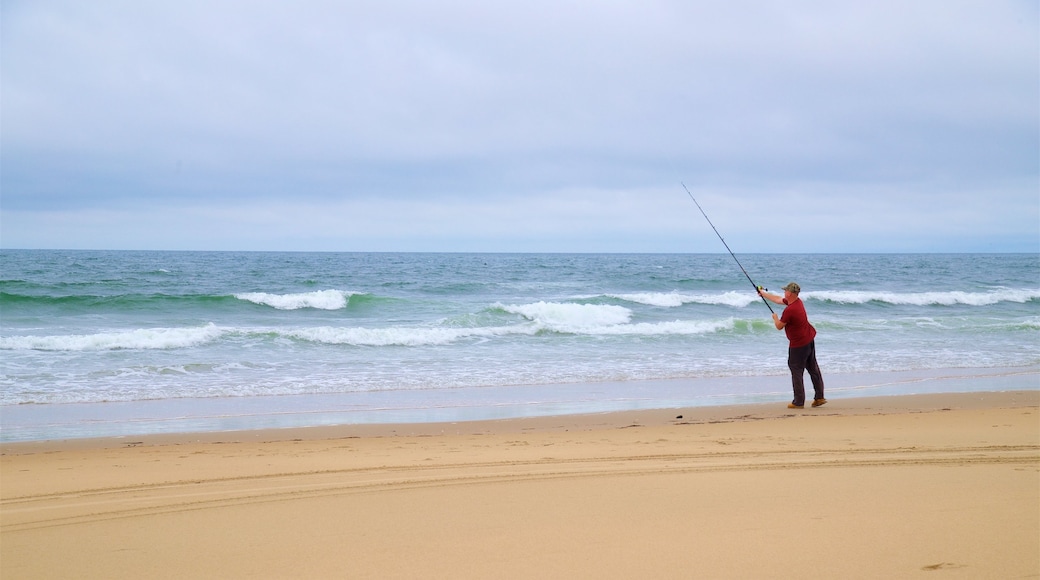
(743, 299)
(566, 317)
(949, 298)
(141, 338)
(675, 299)
(321, 299)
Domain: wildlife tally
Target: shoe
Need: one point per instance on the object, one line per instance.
(818, 402)
(793, 406)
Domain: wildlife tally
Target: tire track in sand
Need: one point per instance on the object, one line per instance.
(82, 506)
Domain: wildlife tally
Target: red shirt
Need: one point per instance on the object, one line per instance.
(798, 329)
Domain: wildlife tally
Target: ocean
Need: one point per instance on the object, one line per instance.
(116, 343)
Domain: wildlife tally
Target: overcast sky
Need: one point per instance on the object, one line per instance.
(800, 126)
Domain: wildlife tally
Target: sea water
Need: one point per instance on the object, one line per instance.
(97, 343)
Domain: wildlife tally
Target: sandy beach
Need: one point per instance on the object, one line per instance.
(943, 485)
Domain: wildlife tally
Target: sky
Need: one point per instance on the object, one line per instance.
(534, 126)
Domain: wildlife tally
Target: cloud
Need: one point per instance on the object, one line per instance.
(414, 113)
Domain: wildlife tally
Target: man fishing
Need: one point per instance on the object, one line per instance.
(801, 355)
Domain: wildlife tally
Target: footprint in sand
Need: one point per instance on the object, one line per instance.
(942, 566)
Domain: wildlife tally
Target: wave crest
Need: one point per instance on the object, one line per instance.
(949, 298)
(141, 338)
(675, 299)
(565, 317)
(320, 299)
(395, 336)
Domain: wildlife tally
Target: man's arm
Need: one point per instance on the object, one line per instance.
(771, 297)
(777, 299)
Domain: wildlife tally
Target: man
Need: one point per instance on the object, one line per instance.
(801, 355)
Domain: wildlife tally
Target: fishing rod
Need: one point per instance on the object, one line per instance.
(757, 287)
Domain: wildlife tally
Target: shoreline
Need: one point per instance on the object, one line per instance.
(57, 422)
(651, 417)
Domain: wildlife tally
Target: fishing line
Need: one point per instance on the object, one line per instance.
(757, 287)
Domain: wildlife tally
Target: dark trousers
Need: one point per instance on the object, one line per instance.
(803, 359)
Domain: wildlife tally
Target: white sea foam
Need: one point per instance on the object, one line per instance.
(605, 319)
(411, 336)
(321, 299)
(675, 327)
(396, 336)
(949, 298)
(675, 299)
(141, 338)
(566, 317)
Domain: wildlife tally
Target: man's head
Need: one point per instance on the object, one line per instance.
(793, 288)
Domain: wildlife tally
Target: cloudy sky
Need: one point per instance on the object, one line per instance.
(449, 125)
